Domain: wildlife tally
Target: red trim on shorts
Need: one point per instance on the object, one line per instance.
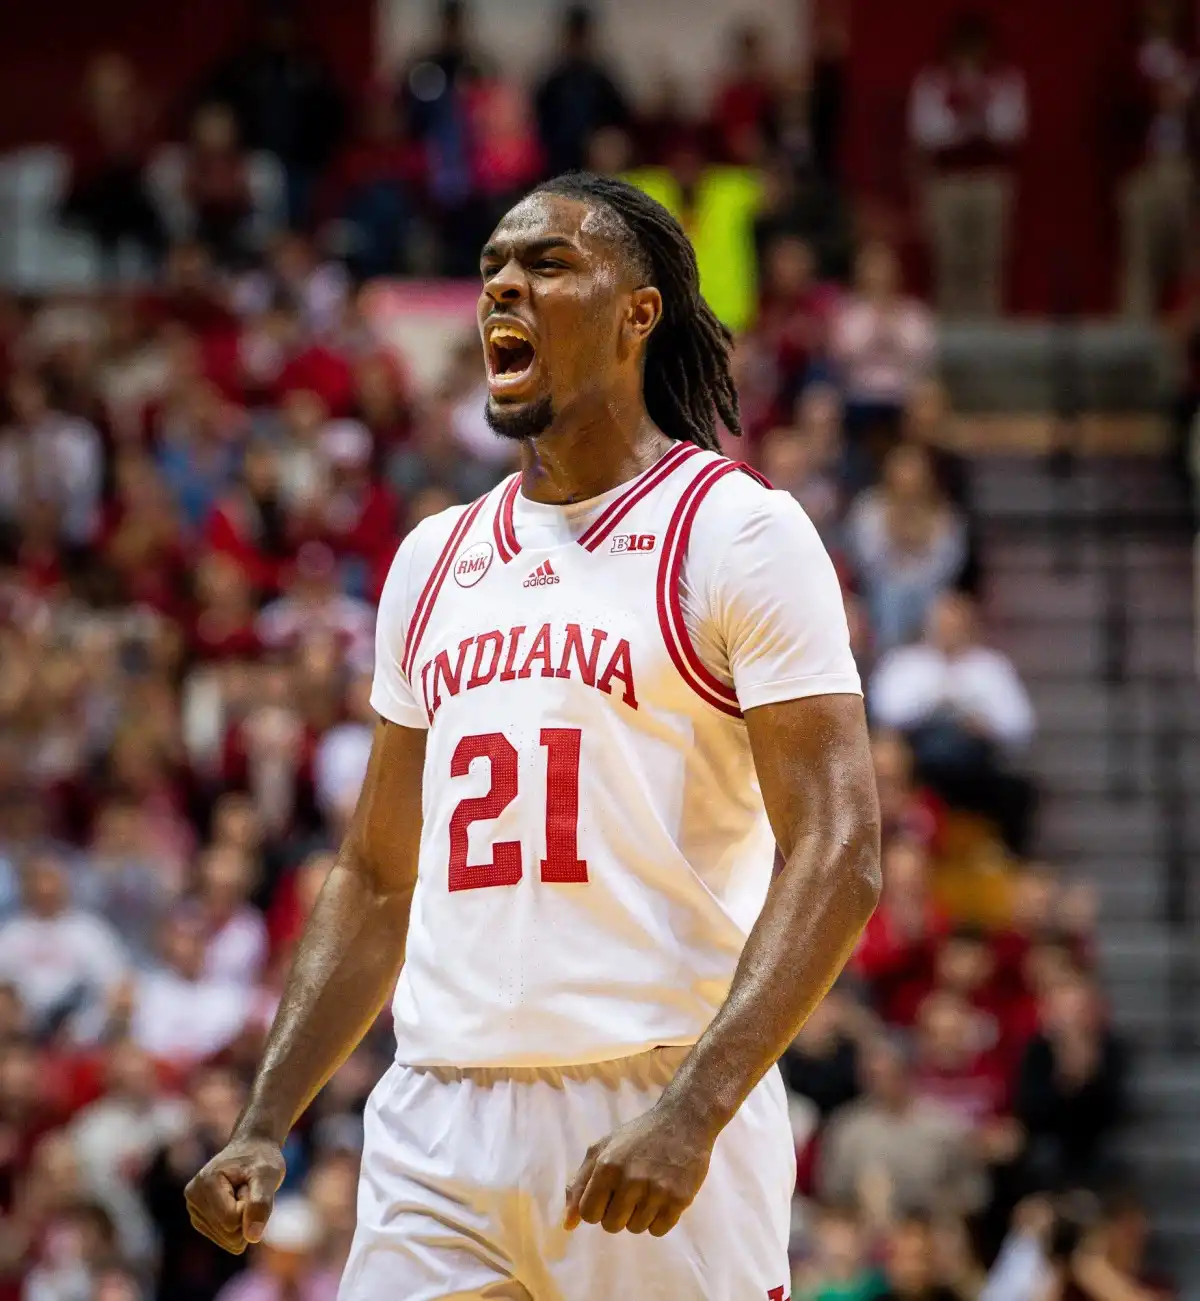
(720, 695)
(615, 511)
(507, 544)
(433, 585)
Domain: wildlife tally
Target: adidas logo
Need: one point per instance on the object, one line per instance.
(542, 576)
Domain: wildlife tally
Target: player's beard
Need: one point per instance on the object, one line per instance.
(522, 420)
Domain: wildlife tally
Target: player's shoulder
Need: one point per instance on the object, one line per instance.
(740, 497)
(417, 557)
(743, 522)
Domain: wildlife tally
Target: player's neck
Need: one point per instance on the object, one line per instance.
(589, 457)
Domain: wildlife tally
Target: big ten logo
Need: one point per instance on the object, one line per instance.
(471, 566)
(624, 542)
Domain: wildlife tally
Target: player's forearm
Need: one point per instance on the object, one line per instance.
(813, 915)
(345, 967)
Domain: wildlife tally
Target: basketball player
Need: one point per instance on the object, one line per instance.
(606, 691)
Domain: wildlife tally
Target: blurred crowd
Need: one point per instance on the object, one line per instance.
(203, 479)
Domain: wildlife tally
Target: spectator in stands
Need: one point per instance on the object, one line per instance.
(107, 194)
(142, 541)
(356, 515)
(235, 943)
(51, 465)
(959, 1075)
(435, 91)
(282, 1269)
(967, 114)
(81, 1239)
(578, 95)
(383, 401)
(802, 458)
(795, 309)
(717, 205)
(744, 108)
(216, 184)
(285, 101)
(965, 712)
(956, 1262)
(909, 812)
(1070, 1090)
(314, 605)
(907, 544)
(897, 953)
(506, 153)
(373, 191)
(882, 341)
(888, 1151)
(250, 525)
(63, 962)
(340, 762)
(431, 470)
(1157, 198)
(839, 1267)
(926, 421)
(308, 295)
(125, 882)
(822, 1063)
(116, 1136)
(192, 1268)
(175, 1012)
(820, 90)
(1109, 1262)
(910, 1263)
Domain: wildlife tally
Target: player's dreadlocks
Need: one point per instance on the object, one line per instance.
(688, 382)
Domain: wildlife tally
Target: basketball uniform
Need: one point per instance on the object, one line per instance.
(594, 852)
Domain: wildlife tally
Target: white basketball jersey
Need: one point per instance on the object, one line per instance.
(594, 848)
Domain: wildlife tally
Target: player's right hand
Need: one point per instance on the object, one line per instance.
(230, 1199)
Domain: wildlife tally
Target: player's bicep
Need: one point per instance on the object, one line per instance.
(384, 836)
(813, 759)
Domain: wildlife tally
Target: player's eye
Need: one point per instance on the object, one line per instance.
(549, 264)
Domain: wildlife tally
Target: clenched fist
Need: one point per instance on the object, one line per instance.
(643, 1175)
(230, 1199)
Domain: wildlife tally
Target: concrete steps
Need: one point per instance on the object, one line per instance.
(1098, 754)
(1012, 366)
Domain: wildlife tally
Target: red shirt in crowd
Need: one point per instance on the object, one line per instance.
(899, 966)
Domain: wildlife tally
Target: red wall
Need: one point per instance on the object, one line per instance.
(1074, 54)
(46, 45)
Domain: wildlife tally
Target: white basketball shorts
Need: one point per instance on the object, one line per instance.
(464, 1180)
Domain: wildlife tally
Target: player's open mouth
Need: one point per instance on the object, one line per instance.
(510, 358)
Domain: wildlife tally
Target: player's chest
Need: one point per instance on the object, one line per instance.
(559, 624)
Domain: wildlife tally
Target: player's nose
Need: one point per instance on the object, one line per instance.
(508, 284)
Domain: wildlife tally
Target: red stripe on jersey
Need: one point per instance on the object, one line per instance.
(615, 511)
(433, 585)
(670, 610)
(766, 483)
(502, 525)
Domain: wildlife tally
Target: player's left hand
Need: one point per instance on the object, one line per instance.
(643, 1175)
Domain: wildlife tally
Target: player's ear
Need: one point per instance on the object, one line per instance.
(645, 312)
